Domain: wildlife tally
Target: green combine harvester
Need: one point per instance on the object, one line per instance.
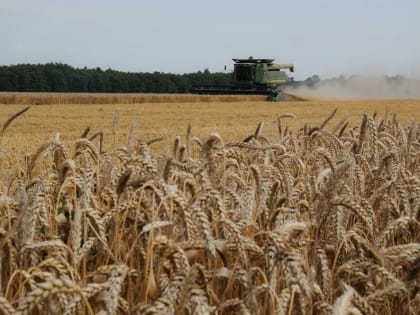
(253, 77)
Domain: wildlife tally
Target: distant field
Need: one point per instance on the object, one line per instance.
(232, 120)
(116, 98)
(308, 215)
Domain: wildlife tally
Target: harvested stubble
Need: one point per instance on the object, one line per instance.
(316, 222)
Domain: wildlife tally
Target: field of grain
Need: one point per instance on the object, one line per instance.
(210, 208)
(232, 120)
(28, 98)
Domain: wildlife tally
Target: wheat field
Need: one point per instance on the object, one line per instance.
(210, 208)
(37, 98)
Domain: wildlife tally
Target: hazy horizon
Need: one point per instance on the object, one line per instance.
(325, 37)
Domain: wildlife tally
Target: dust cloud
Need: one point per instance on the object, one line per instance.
(358, 87)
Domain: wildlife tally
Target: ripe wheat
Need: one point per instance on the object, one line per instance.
(318, 221)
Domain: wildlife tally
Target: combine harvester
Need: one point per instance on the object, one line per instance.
(254, 77)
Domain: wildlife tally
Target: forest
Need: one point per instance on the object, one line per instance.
(58, 77)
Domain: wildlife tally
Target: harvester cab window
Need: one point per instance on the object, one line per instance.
(244, 73)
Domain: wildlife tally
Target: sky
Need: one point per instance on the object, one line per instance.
(324, 37)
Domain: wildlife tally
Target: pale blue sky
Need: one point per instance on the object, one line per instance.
(325, 37)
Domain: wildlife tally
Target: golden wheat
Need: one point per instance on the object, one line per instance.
(309, 220)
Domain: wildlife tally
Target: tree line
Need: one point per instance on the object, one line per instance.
(58, 77)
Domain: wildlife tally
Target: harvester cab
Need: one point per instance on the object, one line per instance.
(253, 77)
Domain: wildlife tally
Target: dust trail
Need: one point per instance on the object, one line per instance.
(360, 87)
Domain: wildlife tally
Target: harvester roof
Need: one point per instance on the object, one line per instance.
(252, 60)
